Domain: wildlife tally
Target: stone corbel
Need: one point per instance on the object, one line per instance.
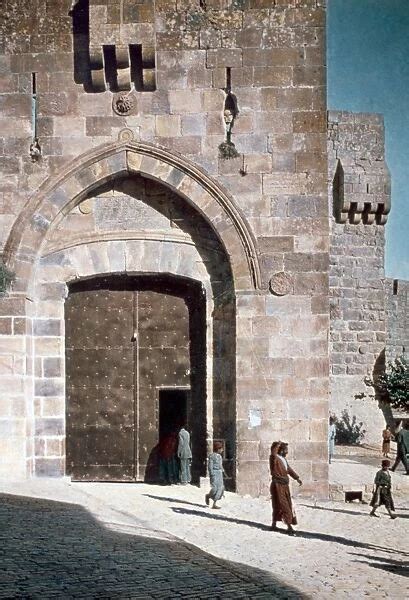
(98, 80)
(123, 65)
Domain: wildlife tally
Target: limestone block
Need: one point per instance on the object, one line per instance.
(48, 386)
(169, 260)
(49, 467)
(99, 257)
(193, 125)
(81, 260)
(47, 327)
(116, 256)
(224, 57)
(168, 125)
(315, 451)
(318, 430)
(53, 407)
(48, 346)
(54, 447)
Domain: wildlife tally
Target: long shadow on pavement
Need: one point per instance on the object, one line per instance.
(219, 517)
(352, 512)
(387, 564)
(301, 534)
(166, 499)
(59, 550)
(338, 510)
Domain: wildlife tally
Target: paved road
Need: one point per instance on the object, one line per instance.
(52, 549)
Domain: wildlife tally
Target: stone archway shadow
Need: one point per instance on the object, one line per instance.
(59, 194)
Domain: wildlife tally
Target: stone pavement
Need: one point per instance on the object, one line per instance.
(59, 550)
(99, 540)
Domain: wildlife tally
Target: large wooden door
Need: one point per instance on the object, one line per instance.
(100, 381)
(126, 341)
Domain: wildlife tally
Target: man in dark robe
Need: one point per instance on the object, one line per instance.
(402, 448)
(185, 456)
(280, 487)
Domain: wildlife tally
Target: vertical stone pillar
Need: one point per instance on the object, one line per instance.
(16, 394)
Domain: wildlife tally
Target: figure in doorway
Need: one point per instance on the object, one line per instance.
(386, 441)
(382, 493)
(185, 456)
(168, 468)
(216, 472)
(280, 487)
(331, 438)
(402, 448)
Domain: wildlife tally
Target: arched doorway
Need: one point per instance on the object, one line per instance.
(54, 247)
(135, 372)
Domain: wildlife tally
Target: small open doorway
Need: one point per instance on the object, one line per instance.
(173, 410)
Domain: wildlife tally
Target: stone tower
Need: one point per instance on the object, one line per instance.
(178, 146)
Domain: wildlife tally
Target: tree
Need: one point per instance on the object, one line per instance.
(393, 384)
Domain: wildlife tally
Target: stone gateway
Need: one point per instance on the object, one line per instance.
(171, 265)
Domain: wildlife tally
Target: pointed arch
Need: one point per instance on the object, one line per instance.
(59, 194)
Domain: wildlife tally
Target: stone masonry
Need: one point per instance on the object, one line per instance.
(115, 121)
(397, 316)
(360, 199)
(96, 79)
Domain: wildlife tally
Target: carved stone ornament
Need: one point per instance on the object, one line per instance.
(122, 104)
(126, 135)
(86, 206)
(281, 284)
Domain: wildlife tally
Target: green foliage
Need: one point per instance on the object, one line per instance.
(348, 430)
(228, 150)
(6, 278)
(393, 384)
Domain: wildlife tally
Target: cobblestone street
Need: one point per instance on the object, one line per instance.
(58, 550)
(73, 540)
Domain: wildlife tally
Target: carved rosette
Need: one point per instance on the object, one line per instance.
(126, 135)
(122, 104)
(281, 284)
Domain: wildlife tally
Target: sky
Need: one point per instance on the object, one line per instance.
(368, 71)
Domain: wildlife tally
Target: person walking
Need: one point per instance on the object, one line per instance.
(402, 448)
(216, 472)
(383, 491)
(185, 456)
(280, 487)
(386, 441)
(331, 438)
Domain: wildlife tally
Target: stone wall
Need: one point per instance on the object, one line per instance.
(359, 199)
(244, 72)
(397, 318)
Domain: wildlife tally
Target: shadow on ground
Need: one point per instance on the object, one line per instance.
(52, 549)
(356, 513)
(309, 535)
(219, 517)
(175, 500)
(386, 564)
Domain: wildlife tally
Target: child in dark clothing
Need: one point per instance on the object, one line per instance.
(383, 492)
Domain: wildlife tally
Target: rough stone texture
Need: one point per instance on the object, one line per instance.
(357, 279)
(270, 208)
(397, 319)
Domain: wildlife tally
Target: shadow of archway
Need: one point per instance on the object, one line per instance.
(52, 549)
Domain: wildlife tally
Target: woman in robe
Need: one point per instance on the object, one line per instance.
(216, 472)
(280, 487)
